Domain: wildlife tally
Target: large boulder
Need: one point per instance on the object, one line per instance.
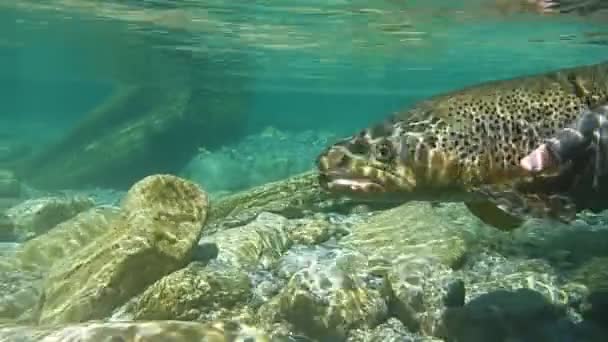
(155, 235)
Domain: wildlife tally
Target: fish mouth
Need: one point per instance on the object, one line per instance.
(336, 181)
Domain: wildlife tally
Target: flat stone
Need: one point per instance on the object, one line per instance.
(408, 232)
(244, 247)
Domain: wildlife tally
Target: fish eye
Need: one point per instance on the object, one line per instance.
(384, 151)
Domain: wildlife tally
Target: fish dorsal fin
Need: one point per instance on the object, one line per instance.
(529, 205)
(489, 213)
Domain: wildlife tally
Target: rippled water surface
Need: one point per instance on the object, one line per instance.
(316, 61)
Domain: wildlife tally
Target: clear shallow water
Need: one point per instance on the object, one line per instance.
(298, 76)
(323, 66)
(307, 66)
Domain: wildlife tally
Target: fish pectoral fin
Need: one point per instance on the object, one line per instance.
(523, 206)
(491, 214)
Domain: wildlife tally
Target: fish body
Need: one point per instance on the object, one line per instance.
(466, 145)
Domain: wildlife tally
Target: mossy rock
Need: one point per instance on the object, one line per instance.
(155, 235)
(193, 293)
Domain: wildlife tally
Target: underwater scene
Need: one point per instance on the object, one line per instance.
(348, 171)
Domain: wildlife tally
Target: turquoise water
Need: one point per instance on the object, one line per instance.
(335, 67)
(236, 94)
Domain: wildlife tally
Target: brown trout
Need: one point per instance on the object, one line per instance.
(468, 146)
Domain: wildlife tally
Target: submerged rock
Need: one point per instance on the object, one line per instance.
(312, 232)
(149, 331)
(294, 197)
(408, 232)
(36, 216)
(335, 292)
(416, 247)
(194, 293)
(219, 284)
(264, 239)
(419, 288)
(390, 331)
(19, 290)
(23, 270)
(155, 235)
(518, 315)
(66, 238)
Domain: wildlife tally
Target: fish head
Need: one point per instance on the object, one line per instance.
(388, 162)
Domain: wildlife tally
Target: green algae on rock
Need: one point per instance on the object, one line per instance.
(66, 238)
(197, 292)
(36, 216)
(155, 235)
(149, 331)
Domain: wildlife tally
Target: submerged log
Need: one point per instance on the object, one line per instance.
(166, 104)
